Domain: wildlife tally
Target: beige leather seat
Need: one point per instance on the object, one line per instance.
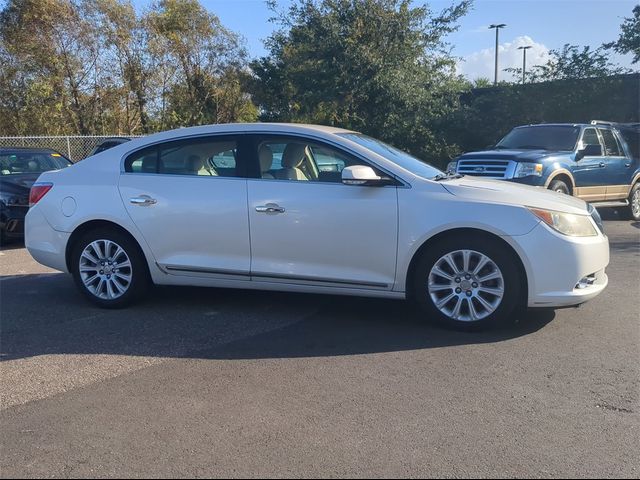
(292, 158)
(265, 156)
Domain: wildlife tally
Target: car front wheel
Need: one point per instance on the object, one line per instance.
(109, 268)
(560, 187)
(468, 284)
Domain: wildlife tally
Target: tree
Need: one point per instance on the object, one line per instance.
(629, 39)
(209, 61)
(379, 66)
(127, 35)
(56, 49)
(572, 62)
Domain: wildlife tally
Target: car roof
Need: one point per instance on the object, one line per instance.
(230, 128)
(267, 127)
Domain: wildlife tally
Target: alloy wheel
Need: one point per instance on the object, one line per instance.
(105, 269)
(466, 285)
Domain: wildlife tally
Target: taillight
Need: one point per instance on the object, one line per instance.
(38, 190)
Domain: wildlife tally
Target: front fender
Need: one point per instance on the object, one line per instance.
(442, 212)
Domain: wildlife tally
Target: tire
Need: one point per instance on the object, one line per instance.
(114, 285)
(435, 280)
(560, 187)
(633, 210)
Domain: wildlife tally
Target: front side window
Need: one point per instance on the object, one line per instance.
(301, 160)
(589, 137)
(611, 147)
(213, 157)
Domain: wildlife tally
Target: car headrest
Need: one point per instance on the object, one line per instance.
(265, 155)
(293, 155)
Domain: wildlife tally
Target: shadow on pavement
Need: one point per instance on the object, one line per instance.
(44, 314)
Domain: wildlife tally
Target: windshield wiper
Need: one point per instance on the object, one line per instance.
(501, 147)
(446, 176)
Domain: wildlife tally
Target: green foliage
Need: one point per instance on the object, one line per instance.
(209, 61)
(629, 39)
(97, 66)
(376, 66)
(572, 62)
(487, 114)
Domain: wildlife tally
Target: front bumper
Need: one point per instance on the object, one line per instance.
(563, 271)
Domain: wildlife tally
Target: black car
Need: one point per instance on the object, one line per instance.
(19, 169)
(108, 143)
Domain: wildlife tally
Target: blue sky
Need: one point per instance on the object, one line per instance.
(544, 24)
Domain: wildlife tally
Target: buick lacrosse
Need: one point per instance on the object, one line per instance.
(304, 208)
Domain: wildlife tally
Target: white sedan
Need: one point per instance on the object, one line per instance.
(305, 208)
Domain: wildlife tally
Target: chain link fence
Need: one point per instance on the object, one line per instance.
(74, 147)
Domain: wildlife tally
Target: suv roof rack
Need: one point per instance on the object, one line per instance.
(602, 122)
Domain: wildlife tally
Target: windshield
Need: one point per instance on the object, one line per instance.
(403, 159)
(552, 137)
(20, 163)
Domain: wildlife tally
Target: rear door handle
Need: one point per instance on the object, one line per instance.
(270, 208)
(602, 164)
(143, 201)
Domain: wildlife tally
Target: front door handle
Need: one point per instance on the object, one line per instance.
(270, 208)
(602, 164)
(143, 200)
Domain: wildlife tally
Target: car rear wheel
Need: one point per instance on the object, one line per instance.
(634, 202)
(560, 187)
(467, 284)
(109, 268)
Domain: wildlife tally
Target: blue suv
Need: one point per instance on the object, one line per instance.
(597, 162)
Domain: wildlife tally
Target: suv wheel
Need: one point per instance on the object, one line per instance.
(560, 187)
(109, 268)
(467, 284)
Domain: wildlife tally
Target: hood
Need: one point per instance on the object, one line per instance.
(499, 191)
(18, 184)
(517, 155)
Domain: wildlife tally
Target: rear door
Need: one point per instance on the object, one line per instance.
(589, 172)
(618, 171)
(189, 200)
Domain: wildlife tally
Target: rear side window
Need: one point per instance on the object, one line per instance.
(611, 147)
(209, 156)
(143, 161)
(632, 137)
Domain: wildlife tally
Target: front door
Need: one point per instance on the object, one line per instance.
(189, 200)
(588, 172)
(308, 227)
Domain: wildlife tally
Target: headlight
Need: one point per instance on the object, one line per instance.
(452, 167)
(526, 169)
(567, 223)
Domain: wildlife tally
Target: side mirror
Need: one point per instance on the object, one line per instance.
(361, 175)
(590, 150)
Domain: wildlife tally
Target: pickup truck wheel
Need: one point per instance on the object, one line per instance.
(467, 284)
(634, 202)
(560, 187)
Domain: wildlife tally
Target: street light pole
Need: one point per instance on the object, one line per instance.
(524, 59)
(497, 27)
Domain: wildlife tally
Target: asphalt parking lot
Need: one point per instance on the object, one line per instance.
(204, 382)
